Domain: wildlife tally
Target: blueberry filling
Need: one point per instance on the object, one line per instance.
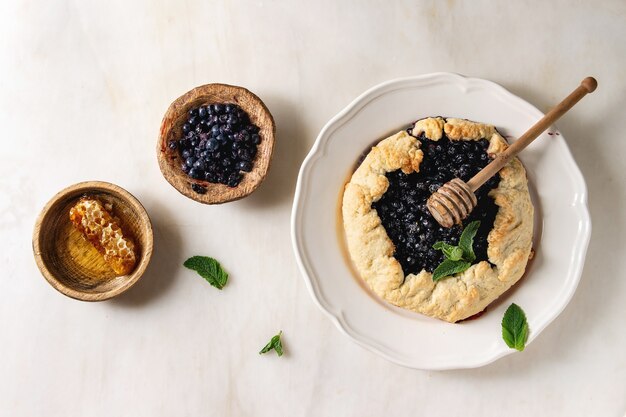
(402, 209)
(218, 144)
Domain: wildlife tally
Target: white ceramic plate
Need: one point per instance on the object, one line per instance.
(562, 226)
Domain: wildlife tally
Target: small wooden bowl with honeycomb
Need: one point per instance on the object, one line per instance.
(175, 117)
(92, 241)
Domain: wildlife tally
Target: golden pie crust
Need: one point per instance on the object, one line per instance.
(465, 294)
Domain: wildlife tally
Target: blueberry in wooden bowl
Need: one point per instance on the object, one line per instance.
(215, 144)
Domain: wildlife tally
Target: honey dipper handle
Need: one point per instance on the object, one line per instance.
(588, 85)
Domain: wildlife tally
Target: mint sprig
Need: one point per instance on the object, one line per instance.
(209, 269)
(449, 267)
(515, 327)
(466, 241)
(275, 344)
(454, 253)
(458, 258)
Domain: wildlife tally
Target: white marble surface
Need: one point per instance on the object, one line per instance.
(83, 86)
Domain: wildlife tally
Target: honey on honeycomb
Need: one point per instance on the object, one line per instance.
(95, 221)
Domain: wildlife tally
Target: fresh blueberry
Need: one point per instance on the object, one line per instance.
(244, 166)
(212, 144)
(199, 164)
(196, 173)
(232, 119)
(244, 154)
(234, 179)
(434, 186)
(465, 171)
(460, 159)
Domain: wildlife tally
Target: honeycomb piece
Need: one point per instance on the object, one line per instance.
(95, 221)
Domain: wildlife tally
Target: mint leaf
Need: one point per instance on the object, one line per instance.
(441, 245)
(449, 267)
(449, 251)
(466, 241)
(515, 327)
(455, 254)
(209, 269)
(458, 258)
(275, 344)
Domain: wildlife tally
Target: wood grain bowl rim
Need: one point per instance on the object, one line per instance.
(169, 162)
(146, 249)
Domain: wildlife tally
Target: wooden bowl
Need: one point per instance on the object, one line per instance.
(171, 129)
(69, 262)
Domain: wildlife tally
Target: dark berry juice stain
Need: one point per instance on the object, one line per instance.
(402, 209)
(198, 188)
(218, 144)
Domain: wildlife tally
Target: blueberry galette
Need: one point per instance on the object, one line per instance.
(391, 234)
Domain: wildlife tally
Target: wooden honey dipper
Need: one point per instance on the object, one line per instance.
(455, 200)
